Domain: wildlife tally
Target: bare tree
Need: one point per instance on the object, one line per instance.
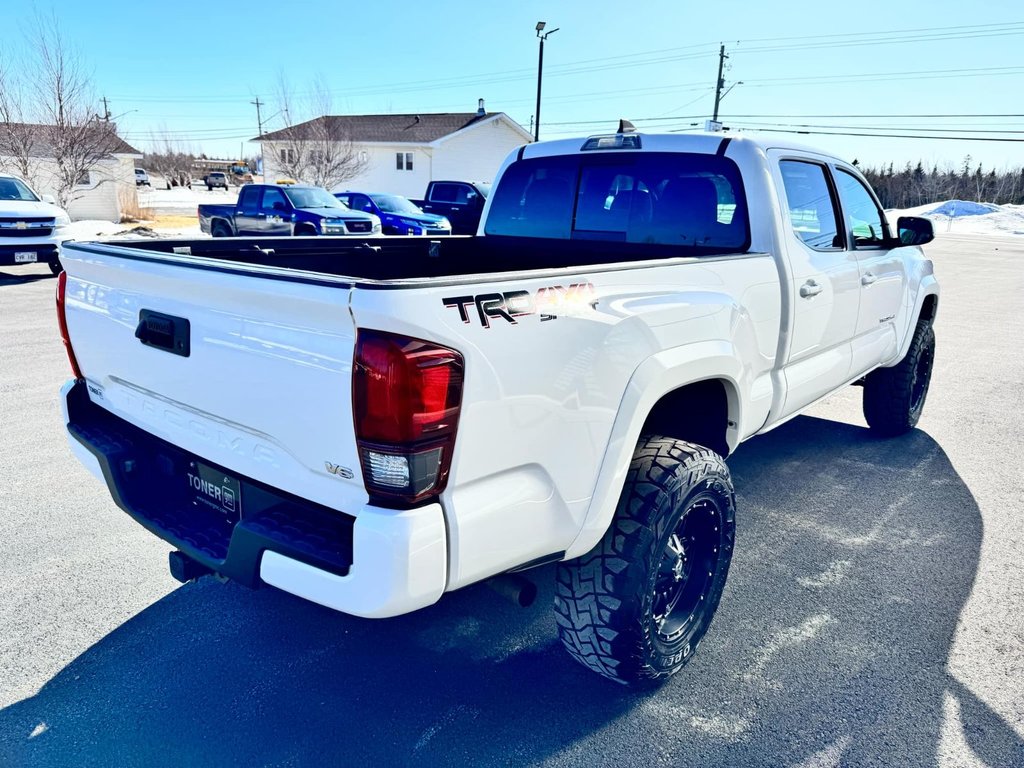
(17, 139)
(77, 137)
(170, 160)
(48, 112)
(319, 150)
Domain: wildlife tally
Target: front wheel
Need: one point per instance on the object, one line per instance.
(635, 607)
(55, 266)
(894, 397)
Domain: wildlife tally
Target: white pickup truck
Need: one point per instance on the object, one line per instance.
(371, 425)
(31, 227)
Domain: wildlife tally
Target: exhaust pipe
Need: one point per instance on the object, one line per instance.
(519, 589)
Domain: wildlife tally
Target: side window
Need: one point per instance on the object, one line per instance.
(863, 218)
(443, 193)
(812, 210)
(361, 203)
(273, 199)
(247, 199)
(345, 200)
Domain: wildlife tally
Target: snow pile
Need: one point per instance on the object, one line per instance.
(89, 229)
(179, 200)
(968, 218)
(954, 208)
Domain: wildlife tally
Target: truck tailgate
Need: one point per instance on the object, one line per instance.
(265, 387)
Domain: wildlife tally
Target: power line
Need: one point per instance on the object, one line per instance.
(971, 129)
(893, 37)
(881, 135)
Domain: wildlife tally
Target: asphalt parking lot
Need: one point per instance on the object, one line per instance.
(874, 613)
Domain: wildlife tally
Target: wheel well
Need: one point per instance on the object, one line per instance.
(305, 226)
(697, 413)
(929, 307)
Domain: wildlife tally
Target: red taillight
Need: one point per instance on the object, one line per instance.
(62, 321)
(406, 396)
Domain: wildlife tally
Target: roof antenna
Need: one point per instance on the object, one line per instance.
(625, 126)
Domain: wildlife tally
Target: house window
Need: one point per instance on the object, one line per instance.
(287, 155)
(403, 161)
(84, 180)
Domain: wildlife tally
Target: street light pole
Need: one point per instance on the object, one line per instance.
(542, 36)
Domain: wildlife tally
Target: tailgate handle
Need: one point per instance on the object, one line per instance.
(166, 332)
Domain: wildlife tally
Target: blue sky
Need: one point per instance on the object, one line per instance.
(191, 68)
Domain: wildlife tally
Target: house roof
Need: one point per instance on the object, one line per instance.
(422, 128)
(42, 148)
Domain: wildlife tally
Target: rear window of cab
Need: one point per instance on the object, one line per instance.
(692, 201)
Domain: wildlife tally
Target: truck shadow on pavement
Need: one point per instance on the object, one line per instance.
(9, 278)
(854, 559)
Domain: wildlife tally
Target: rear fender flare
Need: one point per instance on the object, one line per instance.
(656, 377)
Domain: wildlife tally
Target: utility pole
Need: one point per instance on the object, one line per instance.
(720, 83)
(259, 122)
(106, 110)
(259, 119)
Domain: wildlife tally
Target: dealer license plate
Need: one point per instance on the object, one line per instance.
(24, 257)
(214, 490)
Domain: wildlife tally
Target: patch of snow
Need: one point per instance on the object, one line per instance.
(967, 218)
(183, 199)
(90, 229)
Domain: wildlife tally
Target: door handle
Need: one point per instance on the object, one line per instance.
(868, 279)
(809, 289)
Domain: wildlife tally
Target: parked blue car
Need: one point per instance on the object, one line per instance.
(398, 216)
(283, 210)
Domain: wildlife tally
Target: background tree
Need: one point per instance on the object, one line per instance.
(170, 160)
(48, 110)
(17, 139)
(315, 149)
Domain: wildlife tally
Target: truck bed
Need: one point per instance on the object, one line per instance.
(400, 258)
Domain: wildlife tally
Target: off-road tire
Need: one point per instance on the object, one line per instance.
(605, 601)
(219, 229)
(894, 397)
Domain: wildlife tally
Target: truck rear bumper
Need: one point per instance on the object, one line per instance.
(373, 563)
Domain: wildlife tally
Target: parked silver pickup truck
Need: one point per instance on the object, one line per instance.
(372, 424)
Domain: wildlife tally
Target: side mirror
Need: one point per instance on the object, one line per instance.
(914, 230)
(49, 199)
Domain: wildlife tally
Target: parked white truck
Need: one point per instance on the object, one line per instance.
(371, 425)
(30, 225)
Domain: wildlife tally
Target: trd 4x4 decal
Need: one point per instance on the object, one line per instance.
(549, 302)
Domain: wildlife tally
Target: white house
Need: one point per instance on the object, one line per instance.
(105, 192)
(402, 153)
